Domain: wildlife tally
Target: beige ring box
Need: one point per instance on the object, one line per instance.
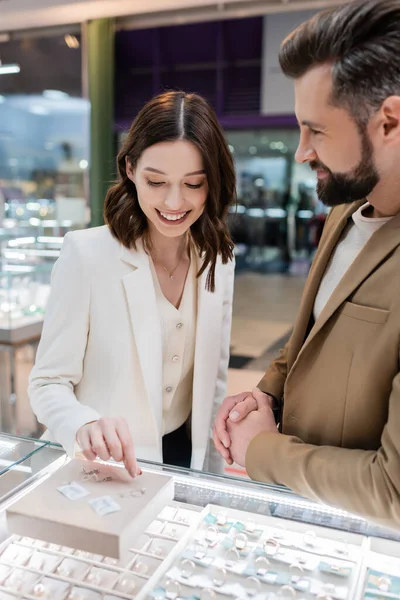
(46, 514)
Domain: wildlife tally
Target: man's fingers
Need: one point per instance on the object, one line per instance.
(263, 400)
(223, 413)
(224, 452)
(242, 409)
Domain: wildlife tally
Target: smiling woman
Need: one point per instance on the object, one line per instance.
(135, 346)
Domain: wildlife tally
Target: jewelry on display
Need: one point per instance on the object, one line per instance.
(94, 475)
(250, 525)
(208, 594)
(341, 547)
(132, 493)
(384, 583)
(252, 586)
(219, 577)
(262, 565)
(141, 567)
(211, 534)
(40, 590)
(200, 551)
(64, 571)
(231, 557)
(158, 551)
(94, 578)
(127, 585)
(271, 547)
(296, 568)
(75, 595)
(187, 568)
(309, 538)
(221, 518)
(172, 589)
(287, 591)
(182, 520)
(281, 535)
(241, 541)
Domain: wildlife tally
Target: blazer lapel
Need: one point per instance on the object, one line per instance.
(314, 280)
(207, 357)
(378, 247)
(146, 327)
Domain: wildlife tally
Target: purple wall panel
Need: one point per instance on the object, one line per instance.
(219, 60)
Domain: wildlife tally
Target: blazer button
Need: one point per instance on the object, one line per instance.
(168, 389)
(175, 359)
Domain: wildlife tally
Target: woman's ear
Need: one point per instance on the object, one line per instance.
(130, 171)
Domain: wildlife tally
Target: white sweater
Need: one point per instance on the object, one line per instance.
(352, 241)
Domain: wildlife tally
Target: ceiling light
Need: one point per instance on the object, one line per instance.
(253, 150)
(83, 164)
(9, 69)
(72, 41)
(231, 149)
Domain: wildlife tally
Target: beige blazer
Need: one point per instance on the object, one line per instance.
(340, 381)
(101, 349)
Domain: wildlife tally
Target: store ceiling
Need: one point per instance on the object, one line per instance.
(26, 14)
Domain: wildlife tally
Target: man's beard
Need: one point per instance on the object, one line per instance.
(345, 188)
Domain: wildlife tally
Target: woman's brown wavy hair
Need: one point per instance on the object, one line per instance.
(168, 117)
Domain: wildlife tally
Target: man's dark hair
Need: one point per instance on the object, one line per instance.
(361, 40)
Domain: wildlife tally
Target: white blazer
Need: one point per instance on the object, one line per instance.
(100, 352)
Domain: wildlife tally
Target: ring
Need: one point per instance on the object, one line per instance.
(262, 565)
(211, 534)
(287, 591)
(141, 567)
(187, 568)
(385, 583)
(241, 541)
(310, 538)
(250, 525)
(271, 547)
(219, 577)
(231, 557)
(341, 547)
(39, 590)
(255, 586)
(94, 578)
(127, 585)
(221, 518)
(296, 568)
(172, 589)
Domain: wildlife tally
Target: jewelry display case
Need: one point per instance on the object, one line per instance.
(219, 538)
(24, 292)
(30, 250)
